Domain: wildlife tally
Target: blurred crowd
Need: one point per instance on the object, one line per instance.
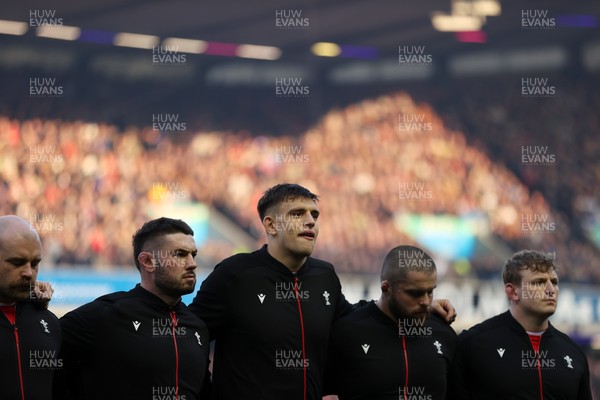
(500, 121)
(86, 186)
(451, 149)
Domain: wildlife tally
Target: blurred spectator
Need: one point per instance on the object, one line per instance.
(87, 185)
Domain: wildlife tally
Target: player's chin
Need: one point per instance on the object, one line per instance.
(187, 287)
(305, 250)
(421, 315)
(548, 310)
(22, 294)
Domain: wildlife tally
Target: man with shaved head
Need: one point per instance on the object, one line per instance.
(392, 348)
(30, 335)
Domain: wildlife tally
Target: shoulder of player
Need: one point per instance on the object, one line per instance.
(318, 264)
(85, 318)
(359, 321)
(487, 327)
(238, 259)
(360, 311)
(243, 261)
(236, 264)
(186, 316)
(566, 341)
(30, 309)
(440, 325)
(96, 307)
(116, 298)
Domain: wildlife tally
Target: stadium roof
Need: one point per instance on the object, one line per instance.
(382, 25)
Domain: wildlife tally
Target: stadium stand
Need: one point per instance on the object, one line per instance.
(86, 177)
(355, 157)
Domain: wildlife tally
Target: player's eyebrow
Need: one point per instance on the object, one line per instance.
(22, 260)
(193, 251)
(303, 210)
(418, 291)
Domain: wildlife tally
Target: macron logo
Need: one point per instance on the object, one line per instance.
(136, 325)
(261, 297)
(501, 351)
(365, 348)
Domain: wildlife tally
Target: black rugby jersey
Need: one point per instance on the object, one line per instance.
(271, 326)
(373, 357)
(134, 346)
(495, 360)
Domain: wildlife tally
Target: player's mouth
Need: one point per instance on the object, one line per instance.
(24, 287)
(309, 235)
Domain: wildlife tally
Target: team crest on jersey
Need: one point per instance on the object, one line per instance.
(44, 325)
(438, 346)
(568, 361)
(326, 297)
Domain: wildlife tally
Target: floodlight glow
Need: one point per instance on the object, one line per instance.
(455, 23)
(186, 45)
(13, 27)
(135, 40)
(326, 49)
(476, 8)
(61, 32)
(490, 8)
(258, 52)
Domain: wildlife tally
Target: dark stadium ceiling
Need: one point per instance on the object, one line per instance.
(382, 25)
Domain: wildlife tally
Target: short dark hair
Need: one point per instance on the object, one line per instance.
(153, 229)
(280, 193)
(402, 259)
(533, 260)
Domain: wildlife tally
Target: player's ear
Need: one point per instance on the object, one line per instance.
(146, 261)
(511, 292)
(269, 225)
(385, 287)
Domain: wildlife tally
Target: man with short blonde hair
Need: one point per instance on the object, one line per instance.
(536, 360)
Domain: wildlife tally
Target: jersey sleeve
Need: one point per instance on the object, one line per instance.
(331, 380)
(79, 330)
(458, 378)
(210, 303)
(342, 307)
(448, 335)
(584, 391)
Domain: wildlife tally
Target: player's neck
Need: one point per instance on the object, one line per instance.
(382, 305)
(531, 323)
(169, 300)
(293, 263)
